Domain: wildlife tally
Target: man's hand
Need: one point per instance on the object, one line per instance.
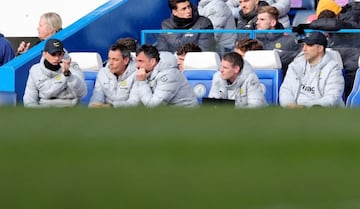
(294, 106)
(141, 74)
(65, 66)
(100, 105)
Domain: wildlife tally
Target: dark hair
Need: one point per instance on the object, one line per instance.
(131, 43)
(149, 51)
(189, 47)
(125, 51)
(327, 14)
(249, 44)
(272, 11)
(234, 58)
(173, 3)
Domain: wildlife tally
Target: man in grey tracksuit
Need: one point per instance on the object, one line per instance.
(313, 78)
(237, 81)
(115, 80)
(54, 81)
(158, 81)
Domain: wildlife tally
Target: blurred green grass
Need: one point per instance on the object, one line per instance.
(170, 158)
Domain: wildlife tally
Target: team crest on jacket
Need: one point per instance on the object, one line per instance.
(241, 90)
(164, 78)
(58, 77)
(123, 83)
(278, 45)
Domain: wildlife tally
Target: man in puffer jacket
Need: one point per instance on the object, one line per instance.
(220, 15)
(158, 81)
(54, 81)
(237, 81)
(114, 81)
(185, 16)
(314, 78)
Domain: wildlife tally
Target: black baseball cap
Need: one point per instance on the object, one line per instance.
(54, 45)
(315, 38)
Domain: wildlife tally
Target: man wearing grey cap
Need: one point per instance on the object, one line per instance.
(313, 78)
(54, 81)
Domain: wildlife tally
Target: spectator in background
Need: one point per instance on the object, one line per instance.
(49, 24)
(248, 14)
(115, 80)
(185, 16)
(314, 78)
(234, 6)
(6, 51)
(236, 80)
(242, 46)
(158, 81)
(283, 6)
(54, 82)
(286, 45)
(220, 15)
(129, 42)
(182, 51)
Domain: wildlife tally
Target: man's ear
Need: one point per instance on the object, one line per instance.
(174, 12)
(237, 69)
(127, 60)
(153, 62)
(273, 23)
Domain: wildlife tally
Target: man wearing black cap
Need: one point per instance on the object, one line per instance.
(313, 78)
(54, 81)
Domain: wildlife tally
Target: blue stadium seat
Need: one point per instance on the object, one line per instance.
(90, 78)
(199, 68)
(268, 70)
(353, 100)
(200, 80)
(90, 63)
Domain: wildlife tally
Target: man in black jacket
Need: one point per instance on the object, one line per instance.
(185, 16)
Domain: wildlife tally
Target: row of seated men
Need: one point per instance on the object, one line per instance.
(313, 79)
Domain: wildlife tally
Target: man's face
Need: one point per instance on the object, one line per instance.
(183, 10)
(265, 22)
(142, 61)
(180, 61)
(248, 6)
(117, 64)
(313, 53)
(229, 71)
(55, 58)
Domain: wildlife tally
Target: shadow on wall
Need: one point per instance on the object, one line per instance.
(93, 32)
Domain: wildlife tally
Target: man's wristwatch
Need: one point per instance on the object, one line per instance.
(67, 73)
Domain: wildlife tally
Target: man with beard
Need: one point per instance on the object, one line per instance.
(185, 16)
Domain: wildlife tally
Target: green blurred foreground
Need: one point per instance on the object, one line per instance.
(169, 158)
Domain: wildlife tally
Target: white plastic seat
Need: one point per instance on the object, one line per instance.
(88, 61)
(202, 61)
(263, 59)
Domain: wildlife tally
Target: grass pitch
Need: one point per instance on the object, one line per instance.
(170, 158)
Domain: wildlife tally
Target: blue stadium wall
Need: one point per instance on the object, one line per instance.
(93, 32)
